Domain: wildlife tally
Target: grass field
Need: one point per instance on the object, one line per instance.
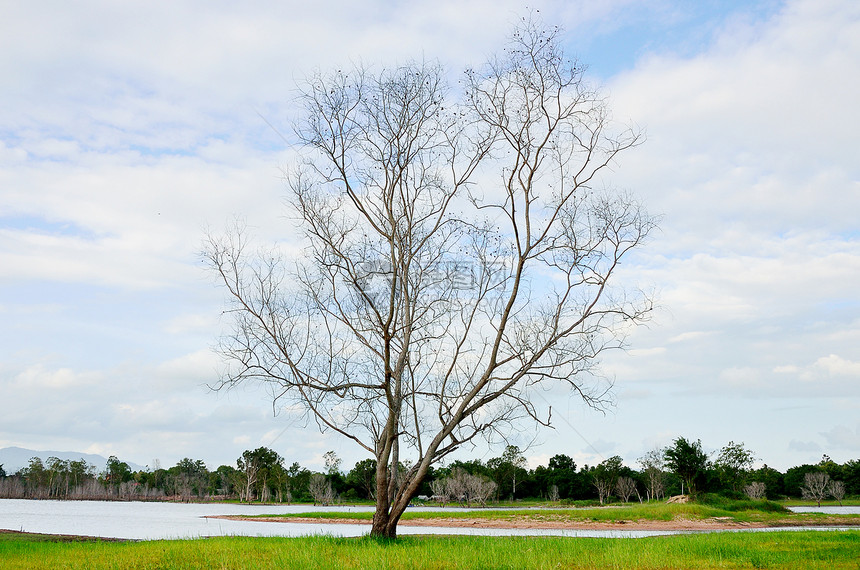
(855, 502)
(770, 514)
(806, 549)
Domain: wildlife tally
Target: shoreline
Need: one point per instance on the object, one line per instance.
(673, 525)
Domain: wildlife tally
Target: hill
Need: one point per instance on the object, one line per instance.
(14, 458)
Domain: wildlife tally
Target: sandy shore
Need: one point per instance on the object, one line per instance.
(532, 523)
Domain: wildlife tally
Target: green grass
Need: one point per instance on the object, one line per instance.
(766, 513)
(652, 511)
(831, 550)
(853, 502)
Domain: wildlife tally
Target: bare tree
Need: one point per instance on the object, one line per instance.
(456, 485)
(625, 487)
(248, 469)
(458, 256)
(465, 487)
(604, 488)
(439, 487)
(653, 466)
(320, 489)
(553, 493)
(815, 486)
(836, 489)
(756, 490)
(481, 489)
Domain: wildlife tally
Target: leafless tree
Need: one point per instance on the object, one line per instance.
(466, 487)
(183, 485)
(458, 255)
(12, 488)
(604, 488)
(836, 489)
(756, 490)
(456, 486)
(625, 487)
(439, 487)
(815, 486)
(553, 493)
(320, 489)
(249, 470)
(482, 489)
(653, 466)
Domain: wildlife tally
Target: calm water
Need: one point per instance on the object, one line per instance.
(133, 520)
(829, 510)
(147, 521)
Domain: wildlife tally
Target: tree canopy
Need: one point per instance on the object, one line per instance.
(687, 460)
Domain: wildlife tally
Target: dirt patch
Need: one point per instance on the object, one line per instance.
(679, 500)
(525, 523)
(39, 537)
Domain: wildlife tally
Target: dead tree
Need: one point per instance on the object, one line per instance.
(604, 489)
(247, 476)
(815, 486)
(458, 255)
(836, 489)
(439, 487)
(625, 487)
(320, 489)
(653, 465)
(756, 490)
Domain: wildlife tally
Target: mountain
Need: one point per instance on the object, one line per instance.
(14, 458)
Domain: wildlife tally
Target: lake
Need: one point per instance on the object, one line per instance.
(155, 520)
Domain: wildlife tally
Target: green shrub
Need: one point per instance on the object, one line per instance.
(579, 503)
(733, 505)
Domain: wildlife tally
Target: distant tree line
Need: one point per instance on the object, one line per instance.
(262, 475)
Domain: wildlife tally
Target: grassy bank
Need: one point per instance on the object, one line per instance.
(853, 502)
(831, 550)
(770, 514)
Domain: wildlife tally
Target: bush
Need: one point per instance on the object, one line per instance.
(730, 504)
(579, 503)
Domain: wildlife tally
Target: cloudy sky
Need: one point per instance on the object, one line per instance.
(129, 128)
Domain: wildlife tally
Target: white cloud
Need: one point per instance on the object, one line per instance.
(242, 440)
(843, 438)
(187, 323)
(834, 365)
(129, 129)
(645, 352)
(827, 372)
(38, 378)
(804, 446)
(730, 132)
(690, 335)
(740, 377)
(199, 367)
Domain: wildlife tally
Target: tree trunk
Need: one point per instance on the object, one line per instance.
(392, 500)
(387, 513)
(383, 525)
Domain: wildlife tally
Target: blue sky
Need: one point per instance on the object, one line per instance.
(127, 130)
